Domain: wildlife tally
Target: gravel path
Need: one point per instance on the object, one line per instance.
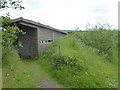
(46, 83)
(44, 80)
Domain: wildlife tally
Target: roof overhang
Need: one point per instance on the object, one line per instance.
(33, 24)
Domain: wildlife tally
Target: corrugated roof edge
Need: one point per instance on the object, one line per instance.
(37, 24)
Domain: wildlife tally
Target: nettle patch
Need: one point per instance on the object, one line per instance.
(61, 62)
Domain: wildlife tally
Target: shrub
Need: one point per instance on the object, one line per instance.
(61, 61)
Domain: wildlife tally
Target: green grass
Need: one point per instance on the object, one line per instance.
(74, 63)
(15, 73)
(0, 60)
(21, 73)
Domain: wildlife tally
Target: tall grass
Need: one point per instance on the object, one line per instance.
(82, 59)
(15, 73)
(0, 59)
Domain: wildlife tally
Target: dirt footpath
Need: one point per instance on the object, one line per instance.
(44, 80)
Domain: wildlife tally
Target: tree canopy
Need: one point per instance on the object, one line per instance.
(11, 4)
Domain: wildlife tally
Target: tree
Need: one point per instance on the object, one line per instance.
(10, 32)
(11, 4)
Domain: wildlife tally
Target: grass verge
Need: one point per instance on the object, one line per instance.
(15, 73)
(72, 63)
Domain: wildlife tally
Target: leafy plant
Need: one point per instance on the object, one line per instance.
(61, 61)
(10, 33)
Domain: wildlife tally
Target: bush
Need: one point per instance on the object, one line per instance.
(63, 61)
(10, 33)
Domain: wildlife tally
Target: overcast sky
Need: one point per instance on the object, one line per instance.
(68, 14)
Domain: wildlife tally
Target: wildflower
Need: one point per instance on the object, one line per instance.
(86, 73)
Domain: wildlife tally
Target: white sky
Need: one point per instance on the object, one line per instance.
(68, 14)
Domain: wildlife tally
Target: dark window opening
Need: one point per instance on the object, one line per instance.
(46, 41)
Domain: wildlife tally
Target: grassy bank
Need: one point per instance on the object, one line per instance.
(0, 60)
(83, 59)
(15, 73)
(22, 73)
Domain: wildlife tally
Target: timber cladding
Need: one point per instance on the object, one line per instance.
(38, 36)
